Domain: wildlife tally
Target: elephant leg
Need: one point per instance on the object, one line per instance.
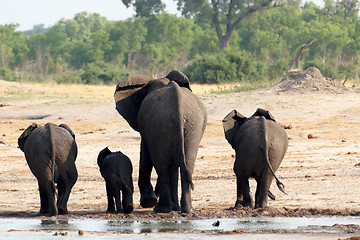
(243, 181)
(127, 201)
(117, 198)
(174, 182)
(239, 194)
(185, 201)
(110, 197)
(44, 203)
(148, 198)
(65, 184)
(263, 187)
(164, 205)
(49, 190)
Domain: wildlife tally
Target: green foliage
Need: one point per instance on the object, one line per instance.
(224, 67)
(102, 73)
(91, 49)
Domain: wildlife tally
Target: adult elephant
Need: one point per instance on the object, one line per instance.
(171, 121)
(260, 145)
(50, 152)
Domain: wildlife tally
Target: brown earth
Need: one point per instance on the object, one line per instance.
(321, 170)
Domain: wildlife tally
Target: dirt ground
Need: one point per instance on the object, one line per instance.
(321, 169)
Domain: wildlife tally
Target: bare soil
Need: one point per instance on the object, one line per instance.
(321, 169)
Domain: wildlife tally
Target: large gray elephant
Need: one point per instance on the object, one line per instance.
(171, 121)
(50, 152)
(116, 169)
(260, 145)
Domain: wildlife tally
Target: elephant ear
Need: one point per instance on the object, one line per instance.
(63, 125)
(129, 94)
(262, 112)
(102, 155)
(231, 123)
(181, 79)
(25, 134)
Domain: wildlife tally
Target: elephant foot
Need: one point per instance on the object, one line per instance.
(44, 211)
(111, 210)
(62, 210)
(148, 202)
(148, 199)
(186, 209)
(175, 207)
(241, 204)
(162, 209)
(128, 209)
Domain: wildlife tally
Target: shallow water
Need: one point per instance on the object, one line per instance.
(12, 228)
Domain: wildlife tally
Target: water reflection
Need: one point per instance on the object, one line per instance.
(149, 226)
(56, 224)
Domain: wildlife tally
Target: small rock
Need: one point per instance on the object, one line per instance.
(81, 232)
(311, 136)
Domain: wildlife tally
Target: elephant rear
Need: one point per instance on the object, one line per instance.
(50, 152)
(116, 169)
(250, 143)
(260, 145)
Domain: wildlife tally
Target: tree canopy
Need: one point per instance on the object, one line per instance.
(89, 48)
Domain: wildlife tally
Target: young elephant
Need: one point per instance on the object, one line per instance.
(260, 145)
(116, 169)
(50, 152)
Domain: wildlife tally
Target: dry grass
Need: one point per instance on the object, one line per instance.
(13, 90)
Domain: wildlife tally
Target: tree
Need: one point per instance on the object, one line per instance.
(225, 15)
(145, 8)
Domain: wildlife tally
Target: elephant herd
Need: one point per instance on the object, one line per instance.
(171, 121)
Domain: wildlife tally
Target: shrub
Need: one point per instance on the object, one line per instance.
(7, 74)
(102, 73)
(223, 67)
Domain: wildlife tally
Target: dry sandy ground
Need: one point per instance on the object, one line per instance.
(321, 173)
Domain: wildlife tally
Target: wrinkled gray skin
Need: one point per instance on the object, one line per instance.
(116, 169)
(171, 121)
(260, 145)
(50, 152)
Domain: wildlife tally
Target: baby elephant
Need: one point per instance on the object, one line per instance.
(50, 152)
(260, 145)
(116, 169)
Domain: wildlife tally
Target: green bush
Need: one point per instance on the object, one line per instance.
(7, 74)
(223, 67)
(102, 73)
(70, 77)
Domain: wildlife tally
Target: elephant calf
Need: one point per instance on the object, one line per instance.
(260, 145)
(50, 152)
(116, 169)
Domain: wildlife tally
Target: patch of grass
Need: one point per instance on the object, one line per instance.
(14, 91)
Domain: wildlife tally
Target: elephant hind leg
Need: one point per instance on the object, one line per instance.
(44, 203)
(127, 199)
(164, 205)
(48, 190)
(148, 198)
(243, 192)
(110, 197)
(174, 182)
(64, 189)
(262, 190)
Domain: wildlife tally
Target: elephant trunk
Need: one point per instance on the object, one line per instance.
(280, 185)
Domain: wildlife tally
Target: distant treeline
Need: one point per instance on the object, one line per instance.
(91, 49)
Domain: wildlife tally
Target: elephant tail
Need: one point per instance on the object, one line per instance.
(184, 171)
(50, 128)
(279, 184)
